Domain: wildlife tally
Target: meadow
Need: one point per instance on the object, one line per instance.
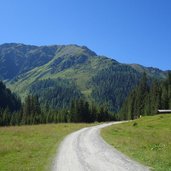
(28, 148)
(147, 140)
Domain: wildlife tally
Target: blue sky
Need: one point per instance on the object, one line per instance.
(130, 31)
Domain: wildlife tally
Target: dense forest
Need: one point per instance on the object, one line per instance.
(55, 101)
(113, 84)
(31, 111)
(8, 100)
(55, 93)
(147, 98)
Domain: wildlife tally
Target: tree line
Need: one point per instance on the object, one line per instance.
(31, 111)
(147, 98)
(113, 84)
(81, 111)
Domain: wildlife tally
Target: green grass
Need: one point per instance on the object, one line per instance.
(147, 140)
(80, 73)
(28, 148)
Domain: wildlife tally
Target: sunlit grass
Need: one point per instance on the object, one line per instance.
(147, 140)
(32, 148)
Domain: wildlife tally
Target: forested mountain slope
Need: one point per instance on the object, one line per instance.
(146, 99)
(8, 100)
(96, 78)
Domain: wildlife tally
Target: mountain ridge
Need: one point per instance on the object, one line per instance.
(22, 65)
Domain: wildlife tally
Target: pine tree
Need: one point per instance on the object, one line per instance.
(93, 113)
(86, 113)
(147, 100)
(73, 111)
(6, 117)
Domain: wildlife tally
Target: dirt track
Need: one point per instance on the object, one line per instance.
(85, 150)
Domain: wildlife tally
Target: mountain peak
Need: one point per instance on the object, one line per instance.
(96, 77)
(92, 53)
(18, 58)
(73, 49)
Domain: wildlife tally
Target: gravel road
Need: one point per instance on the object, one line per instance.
(85, 150)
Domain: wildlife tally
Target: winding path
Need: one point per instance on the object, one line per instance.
(85, 150)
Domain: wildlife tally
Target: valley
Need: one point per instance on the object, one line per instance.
(48, 92)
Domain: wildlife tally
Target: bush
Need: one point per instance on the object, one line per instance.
(135, 124)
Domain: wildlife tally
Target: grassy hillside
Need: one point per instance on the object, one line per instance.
(80, 73)
(147, 140)
(21, 66)
(32, 147)
(70, 62)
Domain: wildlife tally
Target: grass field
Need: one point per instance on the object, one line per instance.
(28, 148)
(147, 140)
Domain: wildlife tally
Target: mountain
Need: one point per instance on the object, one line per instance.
(146, 100)
(25, 68)
(150, 71)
